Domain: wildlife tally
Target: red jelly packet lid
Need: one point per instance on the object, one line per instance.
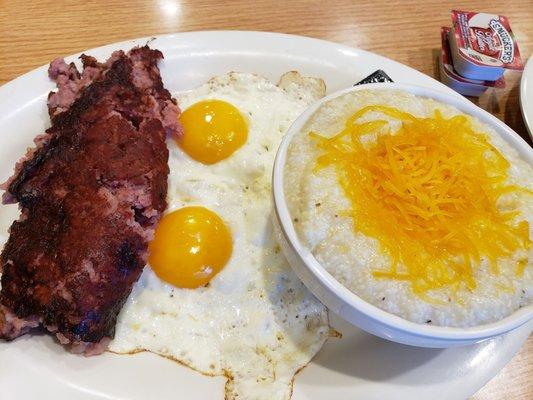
(447, 63)
(486, 39)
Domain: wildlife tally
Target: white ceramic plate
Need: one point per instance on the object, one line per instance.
(358, 366)
(526, 95)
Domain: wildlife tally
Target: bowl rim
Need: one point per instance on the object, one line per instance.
(514, 320)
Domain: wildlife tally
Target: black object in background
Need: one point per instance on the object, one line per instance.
(375, 77)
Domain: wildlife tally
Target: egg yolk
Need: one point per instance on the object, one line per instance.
(212, 131)
(191, 245)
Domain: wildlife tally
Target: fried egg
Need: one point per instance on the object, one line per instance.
(218, 295)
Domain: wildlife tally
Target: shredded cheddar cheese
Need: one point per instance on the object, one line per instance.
(429, 194)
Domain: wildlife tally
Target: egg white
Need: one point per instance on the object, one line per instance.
(254, 322)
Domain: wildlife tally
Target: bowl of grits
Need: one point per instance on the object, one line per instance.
(409, 212)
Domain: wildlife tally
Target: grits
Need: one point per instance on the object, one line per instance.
(318, 206)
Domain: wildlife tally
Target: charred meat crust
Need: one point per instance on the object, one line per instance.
(90, 193)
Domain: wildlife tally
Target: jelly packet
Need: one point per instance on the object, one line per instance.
(450, 77)
(483, 45)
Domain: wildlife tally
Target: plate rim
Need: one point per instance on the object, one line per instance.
(356, 51)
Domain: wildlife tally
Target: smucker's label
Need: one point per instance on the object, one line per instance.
(486, 39)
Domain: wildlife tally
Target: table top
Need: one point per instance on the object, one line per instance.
(33, 33)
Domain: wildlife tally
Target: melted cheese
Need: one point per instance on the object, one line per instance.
(428, 193)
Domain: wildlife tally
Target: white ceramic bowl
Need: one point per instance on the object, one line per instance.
(344, 302)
